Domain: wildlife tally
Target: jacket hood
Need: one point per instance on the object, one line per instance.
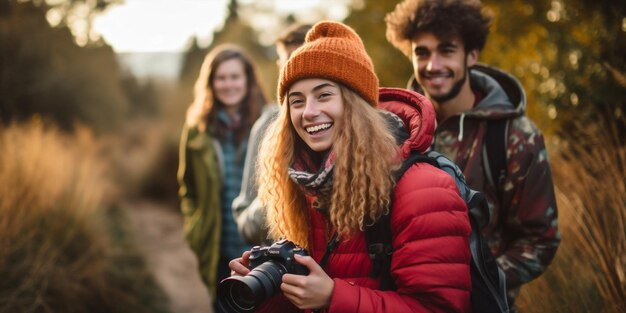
(504, 96)
(417, 115)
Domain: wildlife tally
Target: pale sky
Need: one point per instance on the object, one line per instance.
(159, 25)
(167, 25)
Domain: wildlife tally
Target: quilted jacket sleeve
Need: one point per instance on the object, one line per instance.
(430, 263)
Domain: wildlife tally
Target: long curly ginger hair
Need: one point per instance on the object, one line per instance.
(365, 157)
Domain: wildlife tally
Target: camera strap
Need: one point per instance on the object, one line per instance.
(332, 244)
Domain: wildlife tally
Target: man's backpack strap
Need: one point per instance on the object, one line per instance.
(494, 152)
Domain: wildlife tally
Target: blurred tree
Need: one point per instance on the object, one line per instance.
(44, 73)
(77, 15)
(368, 20)
(144, 96)
(569, 56)
(192, 60)
(183, 95)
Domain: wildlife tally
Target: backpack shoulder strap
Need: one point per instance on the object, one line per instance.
(379, 248)
(475, 200)
(494, 152)
(413, 158)
(378, 234)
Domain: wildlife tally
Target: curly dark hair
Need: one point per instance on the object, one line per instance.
(444, 18)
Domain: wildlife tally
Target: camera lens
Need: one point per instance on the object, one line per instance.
(242, 297)
(234, 295)
(244, 294)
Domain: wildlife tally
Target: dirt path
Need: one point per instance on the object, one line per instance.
(158, 232)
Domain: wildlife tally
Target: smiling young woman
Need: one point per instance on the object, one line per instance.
(327, 169)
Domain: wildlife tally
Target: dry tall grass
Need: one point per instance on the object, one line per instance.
(587, 274)
(56, 254)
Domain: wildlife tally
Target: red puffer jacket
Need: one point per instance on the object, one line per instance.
(430, 228)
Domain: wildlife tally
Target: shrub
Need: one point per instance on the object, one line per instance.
(587, 274)
(56, 251)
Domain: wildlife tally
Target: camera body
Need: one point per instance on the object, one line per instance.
(281, 252)
(267, 267)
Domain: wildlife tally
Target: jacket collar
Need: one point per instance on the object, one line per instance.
(417, 114)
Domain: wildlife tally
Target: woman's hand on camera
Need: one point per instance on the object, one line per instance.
(239, 266)
(308, 292)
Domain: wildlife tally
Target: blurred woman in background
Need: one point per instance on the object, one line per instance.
(227, 101)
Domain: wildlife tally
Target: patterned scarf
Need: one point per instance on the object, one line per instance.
(316, 183)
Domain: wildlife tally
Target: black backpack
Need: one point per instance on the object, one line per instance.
(488, 280)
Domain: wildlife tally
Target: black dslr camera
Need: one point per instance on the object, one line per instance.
(267, 264)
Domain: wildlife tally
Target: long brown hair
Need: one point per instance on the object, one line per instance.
(365, 157)
(203, 110)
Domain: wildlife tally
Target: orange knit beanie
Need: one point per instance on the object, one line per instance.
(335, 52)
